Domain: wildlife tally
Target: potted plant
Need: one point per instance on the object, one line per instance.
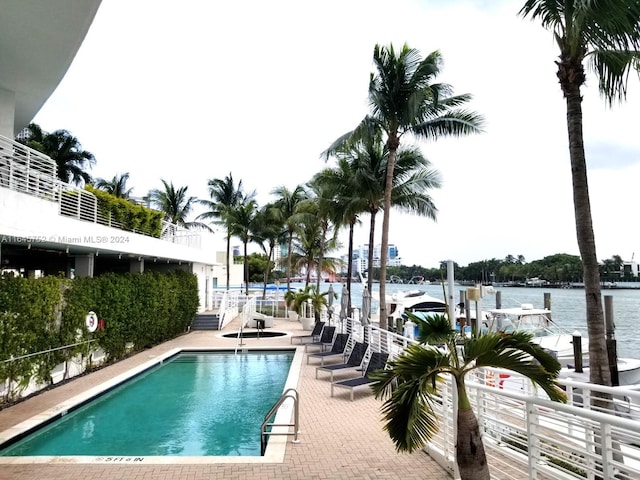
(293, 308)
(302, 300)
(319, 300)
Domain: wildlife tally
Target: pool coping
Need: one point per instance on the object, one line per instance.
(276, 446)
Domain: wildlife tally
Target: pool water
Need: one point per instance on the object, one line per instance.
(194, 404)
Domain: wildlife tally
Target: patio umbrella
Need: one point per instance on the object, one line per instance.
(344, 305)
(366, 311)
(366, 306)
(330, 297)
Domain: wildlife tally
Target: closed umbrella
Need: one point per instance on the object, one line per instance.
(366, 310)
(366, 306)
(330, 298)
(344, 306)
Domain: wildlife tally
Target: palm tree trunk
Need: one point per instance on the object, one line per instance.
(372, 231)
(352, 224)
(290, 243)
(266, 273)
(320, 259)
(470, 454)
(393, 144)
(228, 258)
(246, 271)
(599, 371)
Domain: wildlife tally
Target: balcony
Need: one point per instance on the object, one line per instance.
(28, 171)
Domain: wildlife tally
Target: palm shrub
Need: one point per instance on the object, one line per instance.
(409, 386)
(297, 299)
(318, 300)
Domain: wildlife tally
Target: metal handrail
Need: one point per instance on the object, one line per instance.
(42, 352)
(293, 394)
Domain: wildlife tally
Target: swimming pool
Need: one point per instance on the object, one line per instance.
(190, 404)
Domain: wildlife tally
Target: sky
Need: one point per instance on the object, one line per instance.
(194, 90)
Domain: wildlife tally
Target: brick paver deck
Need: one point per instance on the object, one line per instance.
(340, 439)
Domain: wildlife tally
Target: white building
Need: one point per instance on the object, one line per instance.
(47, 226)
(631, 268)
(360, 260)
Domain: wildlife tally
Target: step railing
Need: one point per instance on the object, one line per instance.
(290, 393)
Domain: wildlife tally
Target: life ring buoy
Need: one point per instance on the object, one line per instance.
(91, 321)
(490, 379)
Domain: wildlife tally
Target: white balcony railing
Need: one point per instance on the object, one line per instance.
(25, 170)
(526, 436)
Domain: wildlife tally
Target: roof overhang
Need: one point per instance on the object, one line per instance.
(38, 41)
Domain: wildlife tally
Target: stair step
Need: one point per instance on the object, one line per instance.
(205, 322)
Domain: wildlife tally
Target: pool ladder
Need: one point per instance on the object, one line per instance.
(291, 393)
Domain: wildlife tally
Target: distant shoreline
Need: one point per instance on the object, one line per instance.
(567, 285)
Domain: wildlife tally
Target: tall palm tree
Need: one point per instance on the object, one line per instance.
(64, 149)
(412, 180)
(225, 196)
(175, 204)
(326, 216)
(607, 34)
(287, 202)
(404, 101)
(410, 386)
(117, 186)
(241, 222)
(343, 185)
(268, 232)
(311, 244)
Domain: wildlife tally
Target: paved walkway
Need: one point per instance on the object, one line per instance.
(340, 439)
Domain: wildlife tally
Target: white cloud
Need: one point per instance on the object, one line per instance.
(194, 90)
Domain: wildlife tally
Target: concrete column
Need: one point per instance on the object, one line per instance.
(7, 113)
(84, 265)
(136, 266)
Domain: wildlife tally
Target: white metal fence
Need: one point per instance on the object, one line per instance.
(227, 302)
(527, 436)
(25, 170)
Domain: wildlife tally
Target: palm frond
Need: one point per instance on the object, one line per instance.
(409, 386)
(433, 329)
(518, 353)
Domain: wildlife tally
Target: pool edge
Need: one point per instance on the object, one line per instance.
(275, 451)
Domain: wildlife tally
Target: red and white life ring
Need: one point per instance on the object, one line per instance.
(91, 321)
(490, 379)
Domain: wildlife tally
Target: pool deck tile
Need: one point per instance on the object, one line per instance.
(339, 439)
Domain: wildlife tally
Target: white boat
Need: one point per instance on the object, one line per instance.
(554, 339)
(413, 301)
(537, 322)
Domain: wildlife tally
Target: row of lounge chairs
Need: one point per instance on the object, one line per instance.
(355, 356)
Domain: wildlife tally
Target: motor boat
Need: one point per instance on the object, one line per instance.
(537, 322)
(557, 341)
(414, 301)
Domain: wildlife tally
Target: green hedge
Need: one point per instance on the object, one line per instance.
(132, 217)
(41, 314)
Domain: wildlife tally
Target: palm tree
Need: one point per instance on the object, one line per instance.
(287, 202)
(326, 216)
(607, 33)
(308, 245)
(241, 222)
(268, 232)
(225, 197)
(343, 184)
(404, 101)
(410, 386)
(175, 204)
(117, 186)
(64, 149)
(412, 180)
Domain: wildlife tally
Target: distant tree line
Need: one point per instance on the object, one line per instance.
(556, 269)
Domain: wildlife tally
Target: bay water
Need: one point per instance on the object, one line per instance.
(568, 307)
